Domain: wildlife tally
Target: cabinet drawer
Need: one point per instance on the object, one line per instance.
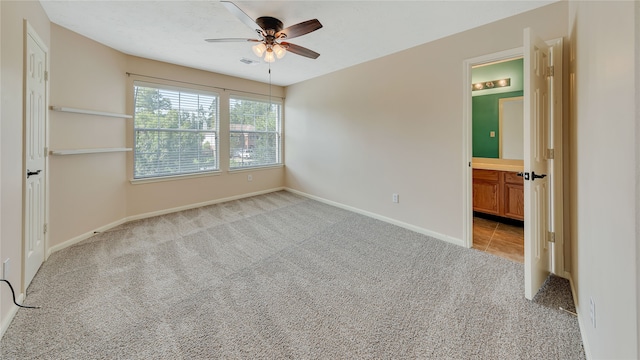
(489, 175)
(513, 178)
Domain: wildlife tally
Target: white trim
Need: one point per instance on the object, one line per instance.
(173, 177)
(12, 313)
(581, 324)
(205, 203)
(89, 234)
(420, 230)
(467, 151)
(558, 266)
(257, 167)
(84, 236)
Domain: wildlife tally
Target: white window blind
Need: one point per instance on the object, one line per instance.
(255, 132)
(176, 131)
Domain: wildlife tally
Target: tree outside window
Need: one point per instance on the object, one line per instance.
(176, 131)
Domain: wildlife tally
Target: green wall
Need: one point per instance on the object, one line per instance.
(485, 112)
(485, 109)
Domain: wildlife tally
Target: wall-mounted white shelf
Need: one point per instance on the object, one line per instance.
(88, 151)
(89, 112)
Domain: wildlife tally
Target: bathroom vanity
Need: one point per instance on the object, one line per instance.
(497, 189)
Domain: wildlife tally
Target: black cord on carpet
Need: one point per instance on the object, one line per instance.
(13, 293)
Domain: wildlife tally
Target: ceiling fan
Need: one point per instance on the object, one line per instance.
(271, 35)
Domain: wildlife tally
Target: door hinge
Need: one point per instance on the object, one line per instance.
(45, 227)
(46, 76)
(551, 153)
(551, 236)
(46, 151)
(550, 70)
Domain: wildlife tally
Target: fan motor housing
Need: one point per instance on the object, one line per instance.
(269, 23)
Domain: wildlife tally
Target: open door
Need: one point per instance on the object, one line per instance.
(34, 154)
(537, 128)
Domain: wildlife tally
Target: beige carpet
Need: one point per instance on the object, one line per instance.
(280, 276)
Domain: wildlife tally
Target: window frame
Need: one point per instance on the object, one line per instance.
(279, 102)
(214, 132)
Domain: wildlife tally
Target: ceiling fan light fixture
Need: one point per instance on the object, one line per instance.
(269, 56)
(270, 32)
(259, 49)
(279, 51)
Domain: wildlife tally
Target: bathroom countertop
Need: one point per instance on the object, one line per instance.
(498, 164)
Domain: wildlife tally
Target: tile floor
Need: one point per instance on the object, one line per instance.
(501, 237)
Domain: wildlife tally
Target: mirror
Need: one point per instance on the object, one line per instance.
(511, 133)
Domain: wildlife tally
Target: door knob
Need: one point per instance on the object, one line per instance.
(29, 173)
(535, 176)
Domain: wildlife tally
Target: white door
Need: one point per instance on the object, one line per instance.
(34, 153)
(536, 185)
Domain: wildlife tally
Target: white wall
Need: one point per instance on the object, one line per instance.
(604, 177)
(394, 125)
(87, 191)
(11, 146)
(92, 191)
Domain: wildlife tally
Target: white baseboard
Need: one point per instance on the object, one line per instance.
(581, 325)
(84, 236)
(417, 229)
(91, 233)
(201, 204)
(9, 318)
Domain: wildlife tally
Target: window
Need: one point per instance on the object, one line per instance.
(175, 130)
(255, 132)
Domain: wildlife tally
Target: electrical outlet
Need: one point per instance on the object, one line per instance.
(396, 198)
(5, 269)
(592, 311)
(249, 177)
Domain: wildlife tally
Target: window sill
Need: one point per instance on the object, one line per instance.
(257, 167)
(174, 177)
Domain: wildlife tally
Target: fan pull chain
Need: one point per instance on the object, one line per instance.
(270, 105)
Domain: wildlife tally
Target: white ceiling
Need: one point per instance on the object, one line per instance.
(353, 31)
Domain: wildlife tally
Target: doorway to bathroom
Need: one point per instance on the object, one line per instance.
(542, 171)
(498, 157)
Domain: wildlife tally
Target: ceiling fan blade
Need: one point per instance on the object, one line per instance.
(242, 16)
(231, 40)
(299, 50)
(300, 29)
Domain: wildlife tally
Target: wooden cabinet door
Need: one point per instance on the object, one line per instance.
(513, 194)
(486, 191)
(514, 201)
